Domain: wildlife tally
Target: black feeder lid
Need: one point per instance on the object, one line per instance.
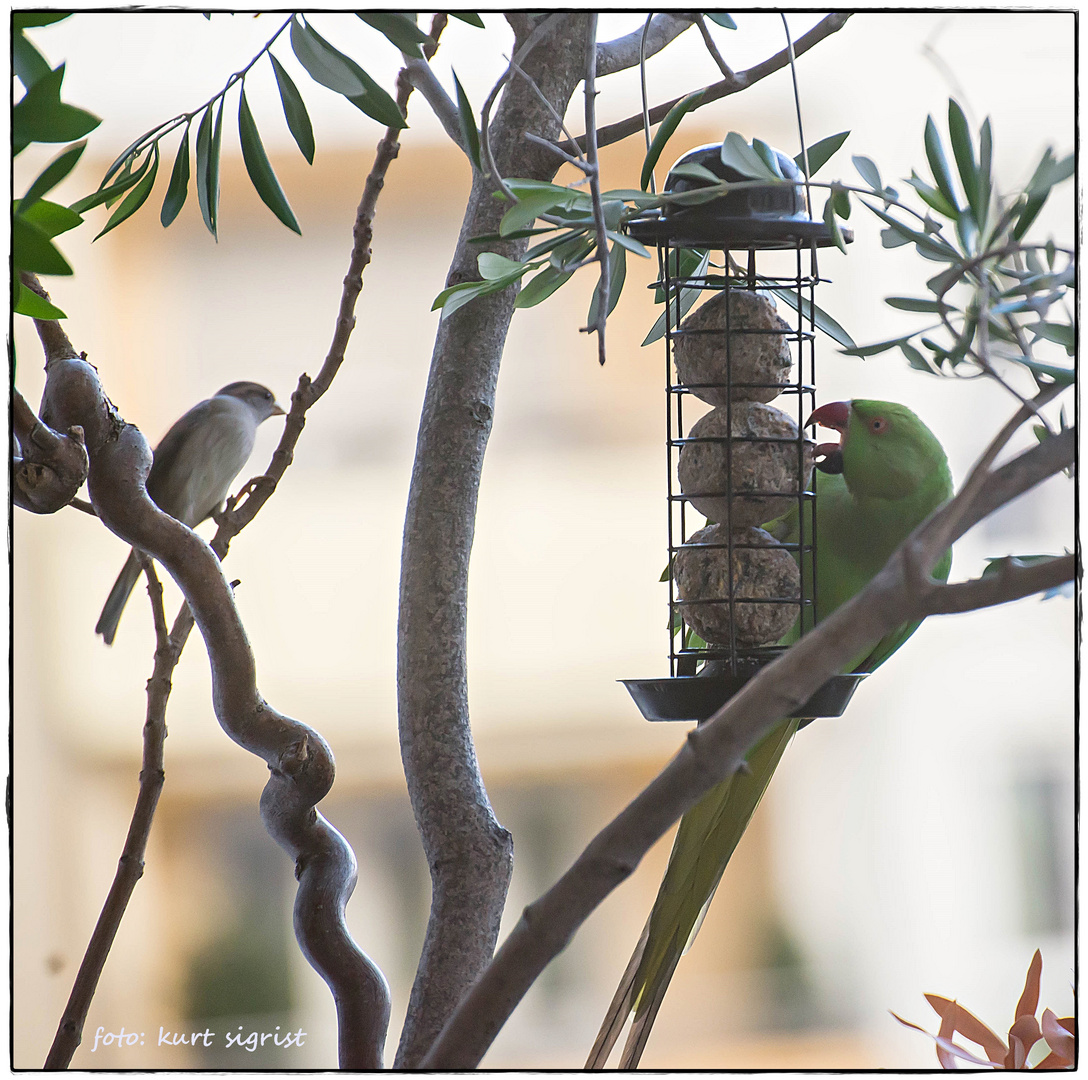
(761, 216)
(699, 697)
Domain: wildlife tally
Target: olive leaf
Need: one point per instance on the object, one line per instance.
(178, 189)
(136, 197)
(294, 111)
(665, 131)
(260, 169)
(51, 175)
(469, 132)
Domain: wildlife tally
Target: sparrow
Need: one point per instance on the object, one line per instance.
(193, 468)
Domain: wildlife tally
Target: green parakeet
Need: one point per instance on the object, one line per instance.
(894, 473)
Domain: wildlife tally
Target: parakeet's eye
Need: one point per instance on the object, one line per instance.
(878, 424)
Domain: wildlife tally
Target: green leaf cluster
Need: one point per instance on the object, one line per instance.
(40, 116)
(568, 242)
(133, 173)
(568, 236)
(996, 291)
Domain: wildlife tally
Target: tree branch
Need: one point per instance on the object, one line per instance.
(51, 467)
(424, 80)
(130, 867)
(468, 851)
(712, 48)
(611, 133)
(1011, 582)
(716, 749)
(622, 53)
(325, 864)
(592, 169)
(298, 758)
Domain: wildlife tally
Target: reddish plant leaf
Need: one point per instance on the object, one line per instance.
(1057, 1038)
(1026, 1029)
(1029, 999)
(907, 1023)
(948, 1029)
(969, 1025)
(950, 1048)
(946, 1049)
(1017, 1055)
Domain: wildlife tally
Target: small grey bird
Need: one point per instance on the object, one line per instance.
(193, 469)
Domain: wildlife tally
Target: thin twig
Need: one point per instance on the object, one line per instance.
(712, 48)
(82, 504)
(611, 133)
(580, 158)
(130, 867)
(549, 145)
(593, 170)
(167, 126)
(800, 126)
(541, 31)
(981, 474)
(645, 95)
(309, 392)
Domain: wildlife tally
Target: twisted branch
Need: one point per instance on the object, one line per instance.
(51, 466)
(299, 760)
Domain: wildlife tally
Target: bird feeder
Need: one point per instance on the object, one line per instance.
(738, 274)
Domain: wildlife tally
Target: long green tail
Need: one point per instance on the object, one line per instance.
(705, 842)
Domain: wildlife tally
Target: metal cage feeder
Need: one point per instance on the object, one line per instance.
(746, 462)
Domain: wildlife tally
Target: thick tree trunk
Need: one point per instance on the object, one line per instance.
(469, 852)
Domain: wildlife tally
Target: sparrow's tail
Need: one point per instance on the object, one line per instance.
(115, 603)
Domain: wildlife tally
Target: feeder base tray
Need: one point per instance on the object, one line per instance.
(698, 697)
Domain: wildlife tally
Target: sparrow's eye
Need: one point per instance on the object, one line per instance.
(878, 424)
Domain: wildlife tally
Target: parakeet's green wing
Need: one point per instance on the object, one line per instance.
(894, 474)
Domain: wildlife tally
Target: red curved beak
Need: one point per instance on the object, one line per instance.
(835, 414)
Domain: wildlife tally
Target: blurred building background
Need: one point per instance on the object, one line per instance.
(922, 843)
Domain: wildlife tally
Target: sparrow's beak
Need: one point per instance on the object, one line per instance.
(278, 410)
(834, 415)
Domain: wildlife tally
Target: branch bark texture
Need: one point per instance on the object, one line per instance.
(50, 467)
(622, 53)
(468, 851)
(903, 591)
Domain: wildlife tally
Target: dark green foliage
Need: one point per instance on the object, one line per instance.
(294, 110)
(259, 167)
(40, 115)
